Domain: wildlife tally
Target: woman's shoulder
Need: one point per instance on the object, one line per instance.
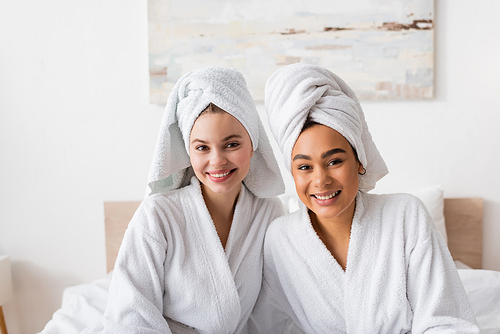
(162, 209)
(397, 201)
(273, 203)
(401, 209)
(286, 224)
(291, 231)
(171, 198)
(269, 204)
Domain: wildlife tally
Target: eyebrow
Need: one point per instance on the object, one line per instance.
(234, 136)
(332, 152)
(324, 155)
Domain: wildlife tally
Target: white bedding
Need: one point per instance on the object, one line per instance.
(83, 304)
(483, 290)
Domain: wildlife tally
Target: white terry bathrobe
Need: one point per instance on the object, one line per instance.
(172, 274)
(399, 276)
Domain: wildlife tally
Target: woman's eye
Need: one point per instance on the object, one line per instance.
(334, 162)
(201, 148)
(304, 167)
(232, 145)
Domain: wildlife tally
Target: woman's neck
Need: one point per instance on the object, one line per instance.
(221, 208)
(335, 234)
(333, 229)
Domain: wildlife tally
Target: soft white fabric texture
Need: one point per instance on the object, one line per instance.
(399, 278)
(483, 290)
(297, 92)
(82, 306)
(172, 274)
(226, 88)
(460, 265)
(432, 197)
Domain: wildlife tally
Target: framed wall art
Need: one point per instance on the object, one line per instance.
(382, 48)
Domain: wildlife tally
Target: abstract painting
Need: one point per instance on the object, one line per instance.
(382, 48)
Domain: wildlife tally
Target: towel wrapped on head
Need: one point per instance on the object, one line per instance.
(226, 88)
(298, 92)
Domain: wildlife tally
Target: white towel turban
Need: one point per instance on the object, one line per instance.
(297, 92)
(226, 88)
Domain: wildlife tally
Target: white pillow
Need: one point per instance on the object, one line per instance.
(290, 202)
(434, 202)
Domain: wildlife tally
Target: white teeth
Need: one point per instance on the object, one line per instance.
(323, 198)
(220, 175)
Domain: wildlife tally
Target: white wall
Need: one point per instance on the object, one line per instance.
(76, 129)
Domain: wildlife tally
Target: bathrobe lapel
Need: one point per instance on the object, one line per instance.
(327, 293)
(376, 283)
(223, 287)
(335, 289)
(244, 250)
(359, 262)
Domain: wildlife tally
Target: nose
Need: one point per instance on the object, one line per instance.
(217, 158)
(321, 178)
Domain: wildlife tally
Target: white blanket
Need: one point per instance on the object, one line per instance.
(172, 274)
(483, 290)
(82, 306)
(399, 277)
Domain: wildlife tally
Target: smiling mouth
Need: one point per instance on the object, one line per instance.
(221, 175)
(324, 198)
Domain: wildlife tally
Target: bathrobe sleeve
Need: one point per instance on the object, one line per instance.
(135, 302)
(268, 315)
(273, 313)
(435, 291)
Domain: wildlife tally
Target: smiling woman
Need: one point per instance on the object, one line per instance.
(328, 174)
(220, 151)
(326, 180)
(184, 265)
(348, 261)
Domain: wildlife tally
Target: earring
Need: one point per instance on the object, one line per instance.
(364, 171)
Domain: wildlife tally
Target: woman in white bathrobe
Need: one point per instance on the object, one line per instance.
(348, 261)
(191, 258)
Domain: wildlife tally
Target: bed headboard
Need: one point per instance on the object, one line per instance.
(464, 227)
(117, 215)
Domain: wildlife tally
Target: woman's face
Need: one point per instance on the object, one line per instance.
(220, 150)
(325, 170)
